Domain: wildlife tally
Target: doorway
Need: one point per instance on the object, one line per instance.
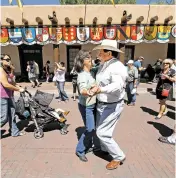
(72, 51)
(171, 51)
(29, 53)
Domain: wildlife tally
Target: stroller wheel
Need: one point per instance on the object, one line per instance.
(63, 131)
(38, 133)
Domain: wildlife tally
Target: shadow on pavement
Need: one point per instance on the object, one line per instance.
(171, 114)
(171, 107)
(150, 111)
(150, 90)
(163, 130)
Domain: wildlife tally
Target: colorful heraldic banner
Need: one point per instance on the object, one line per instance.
(42, 36)
(69, 35)
(137, 33)
(150, 34)
(55, 34)
(15, 36)
(110, 32)
(4, 40)
(29, 36)
(83, 35)
(174, 31)
(163, 34)
(96, 35)
(123, 34)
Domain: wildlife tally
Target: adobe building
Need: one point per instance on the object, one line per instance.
(57, 33)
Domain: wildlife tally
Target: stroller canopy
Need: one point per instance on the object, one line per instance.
(42, 98)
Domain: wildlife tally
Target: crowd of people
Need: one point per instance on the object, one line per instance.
(101, 86)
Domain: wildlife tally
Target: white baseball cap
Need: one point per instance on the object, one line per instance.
(130, 62)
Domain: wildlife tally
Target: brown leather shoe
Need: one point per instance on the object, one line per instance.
(113, 165)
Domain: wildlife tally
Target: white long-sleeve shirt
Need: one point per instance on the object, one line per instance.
(111, 78)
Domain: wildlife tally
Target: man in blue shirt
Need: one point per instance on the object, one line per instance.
(138, 65)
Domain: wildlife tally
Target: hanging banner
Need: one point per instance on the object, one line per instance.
(29, 36)
(96, 35)
(83, 35)
(137, 33)
(110, 32)
(150, 34)
(174, 31)
(123, 34)
(69, 35)
(42, 36)
(15, 36)
(163, 34)
(4, 40)
(55, 35)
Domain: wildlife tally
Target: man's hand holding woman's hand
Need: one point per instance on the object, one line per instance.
(94, 90)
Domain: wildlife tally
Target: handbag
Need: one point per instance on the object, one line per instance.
(165, 92)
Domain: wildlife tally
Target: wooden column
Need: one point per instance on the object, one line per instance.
(56, 53)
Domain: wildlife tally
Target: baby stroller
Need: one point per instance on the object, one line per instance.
(37, 108)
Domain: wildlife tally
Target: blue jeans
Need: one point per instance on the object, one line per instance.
(85, 141)
(62, 94)
(8, 114)
(131, 98)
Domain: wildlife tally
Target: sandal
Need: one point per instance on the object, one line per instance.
(157, 117)
(165, 140)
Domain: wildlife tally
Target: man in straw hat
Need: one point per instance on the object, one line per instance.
(111, 78)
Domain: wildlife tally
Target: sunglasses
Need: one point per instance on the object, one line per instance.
(8, 59)
(166, 63)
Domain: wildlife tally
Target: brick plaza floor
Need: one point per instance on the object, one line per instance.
(53, 156)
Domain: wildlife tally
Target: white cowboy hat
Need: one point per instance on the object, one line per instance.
(109, 45)
(130, 62)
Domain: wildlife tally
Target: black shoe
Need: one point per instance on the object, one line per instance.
(57, 98)
(89, 150)
(82, 158)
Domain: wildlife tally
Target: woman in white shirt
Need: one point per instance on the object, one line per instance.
(60, 81)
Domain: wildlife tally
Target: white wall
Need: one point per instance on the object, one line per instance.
(151, 52)
(14, 54)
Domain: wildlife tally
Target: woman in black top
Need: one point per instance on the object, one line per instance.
(166, 79)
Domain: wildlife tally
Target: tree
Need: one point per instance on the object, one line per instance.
(63, 2)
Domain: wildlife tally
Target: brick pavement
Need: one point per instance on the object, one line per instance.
(53, 156)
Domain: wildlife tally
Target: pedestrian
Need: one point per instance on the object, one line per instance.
(111, 80)
(7, 87)
(32, 73)
(74, 76)
(86, 103)
(60, 81)
(131, 83)
(47, 71)
(138, 65)
(164, 86)
(37, 72)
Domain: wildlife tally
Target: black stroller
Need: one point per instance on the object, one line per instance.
(37, 108)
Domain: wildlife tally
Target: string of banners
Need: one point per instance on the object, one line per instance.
(84, 35)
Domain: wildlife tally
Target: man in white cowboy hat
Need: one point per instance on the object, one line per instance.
(131, 83)
(110, 90)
